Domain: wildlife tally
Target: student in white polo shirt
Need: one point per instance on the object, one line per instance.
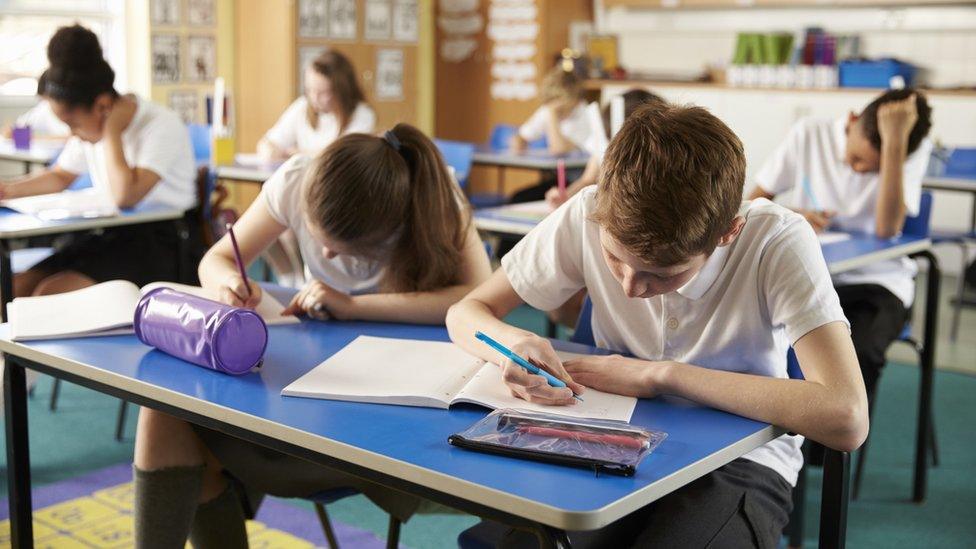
(562, 117)
(861, 173)
(333, 106)
(137, 153)
(706, 293)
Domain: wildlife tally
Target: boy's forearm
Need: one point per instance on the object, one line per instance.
(814, 410)
(409, 307)
(890, 206)
(468, 316)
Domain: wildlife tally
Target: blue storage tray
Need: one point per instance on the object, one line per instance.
(961, 163)
(874, 74)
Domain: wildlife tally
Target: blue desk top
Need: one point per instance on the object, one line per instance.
(864, 249)
(409, 443)
(19, 225)
(529, 158)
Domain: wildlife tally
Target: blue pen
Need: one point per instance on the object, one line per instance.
(808, 189)
(532, 368)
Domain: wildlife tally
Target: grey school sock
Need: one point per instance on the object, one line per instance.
(219, 523)
(165, 502)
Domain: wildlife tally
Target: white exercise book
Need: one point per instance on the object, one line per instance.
(830, 237)
(432, 374)
(83, 204)
(103, 309)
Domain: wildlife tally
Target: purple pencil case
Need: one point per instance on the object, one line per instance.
(207, 333)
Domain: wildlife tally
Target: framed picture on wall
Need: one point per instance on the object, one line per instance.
(379, 20)
(201, 58)
(342, 19)
(201, 13)
(389, 75)
(164, 12)
(405, 20)
(165, 58)
(313, 18)
(186, 104)
(306, 54)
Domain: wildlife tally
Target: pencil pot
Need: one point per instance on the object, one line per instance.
(207, 333)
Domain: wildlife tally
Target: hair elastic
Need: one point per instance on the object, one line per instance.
(392, 140)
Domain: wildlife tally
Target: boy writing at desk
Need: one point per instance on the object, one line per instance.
(861, 173)
(707, 293)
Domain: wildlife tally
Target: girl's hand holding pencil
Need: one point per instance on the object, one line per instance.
(234, 292)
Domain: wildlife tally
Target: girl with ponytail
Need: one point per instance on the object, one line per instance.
(136, 152)
(387, 236)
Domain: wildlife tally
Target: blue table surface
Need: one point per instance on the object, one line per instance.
(12, 221)
(414, 435)
(538, 154)
(860, 245)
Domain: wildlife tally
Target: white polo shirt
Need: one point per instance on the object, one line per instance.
(292, 130)
(156, 140)
(575, 127)
(740, 313)
(814, 149)
(282, 195)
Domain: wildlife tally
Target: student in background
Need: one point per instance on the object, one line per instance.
(632, 99)
(562, 117)
(137, 153)
(705, 294)
(380, 260)
(333, 105)
(861, 173)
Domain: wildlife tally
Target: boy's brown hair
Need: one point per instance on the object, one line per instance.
(671, 183)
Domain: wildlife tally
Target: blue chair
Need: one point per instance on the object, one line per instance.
(200, 138)
(502, 134)
(918, 225)
(460, 156)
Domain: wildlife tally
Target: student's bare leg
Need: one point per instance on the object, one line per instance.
(64, 281)
(180, 492)
(25, 282)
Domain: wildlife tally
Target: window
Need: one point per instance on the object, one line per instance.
(26, 26)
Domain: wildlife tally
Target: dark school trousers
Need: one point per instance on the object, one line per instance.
(877, 317)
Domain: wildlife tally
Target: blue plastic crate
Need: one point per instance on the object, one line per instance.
(874, 74)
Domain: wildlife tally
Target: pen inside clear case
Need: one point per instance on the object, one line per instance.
(608, 446)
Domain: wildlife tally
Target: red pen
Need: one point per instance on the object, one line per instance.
(561, 177)
(618, 440)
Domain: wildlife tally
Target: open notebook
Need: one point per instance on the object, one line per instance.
(432, 374)
(86, 203)
(102, 309)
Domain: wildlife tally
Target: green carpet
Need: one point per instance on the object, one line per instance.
(78, 438)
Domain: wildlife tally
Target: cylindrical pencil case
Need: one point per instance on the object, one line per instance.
(207, 333)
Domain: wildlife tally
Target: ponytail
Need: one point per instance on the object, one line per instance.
(392, 194)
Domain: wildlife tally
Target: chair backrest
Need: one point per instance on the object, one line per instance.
(83, 181)
(458, 155)
(793, 365)
(583, 333)
(200, 138)
(920, 225)
(501, 136)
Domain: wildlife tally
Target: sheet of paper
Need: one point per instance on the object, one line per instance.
(269, 308)
(83, 204)
(528, 211)
(489, 389)
(105, 306)
(390, 371)
(830, 237)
